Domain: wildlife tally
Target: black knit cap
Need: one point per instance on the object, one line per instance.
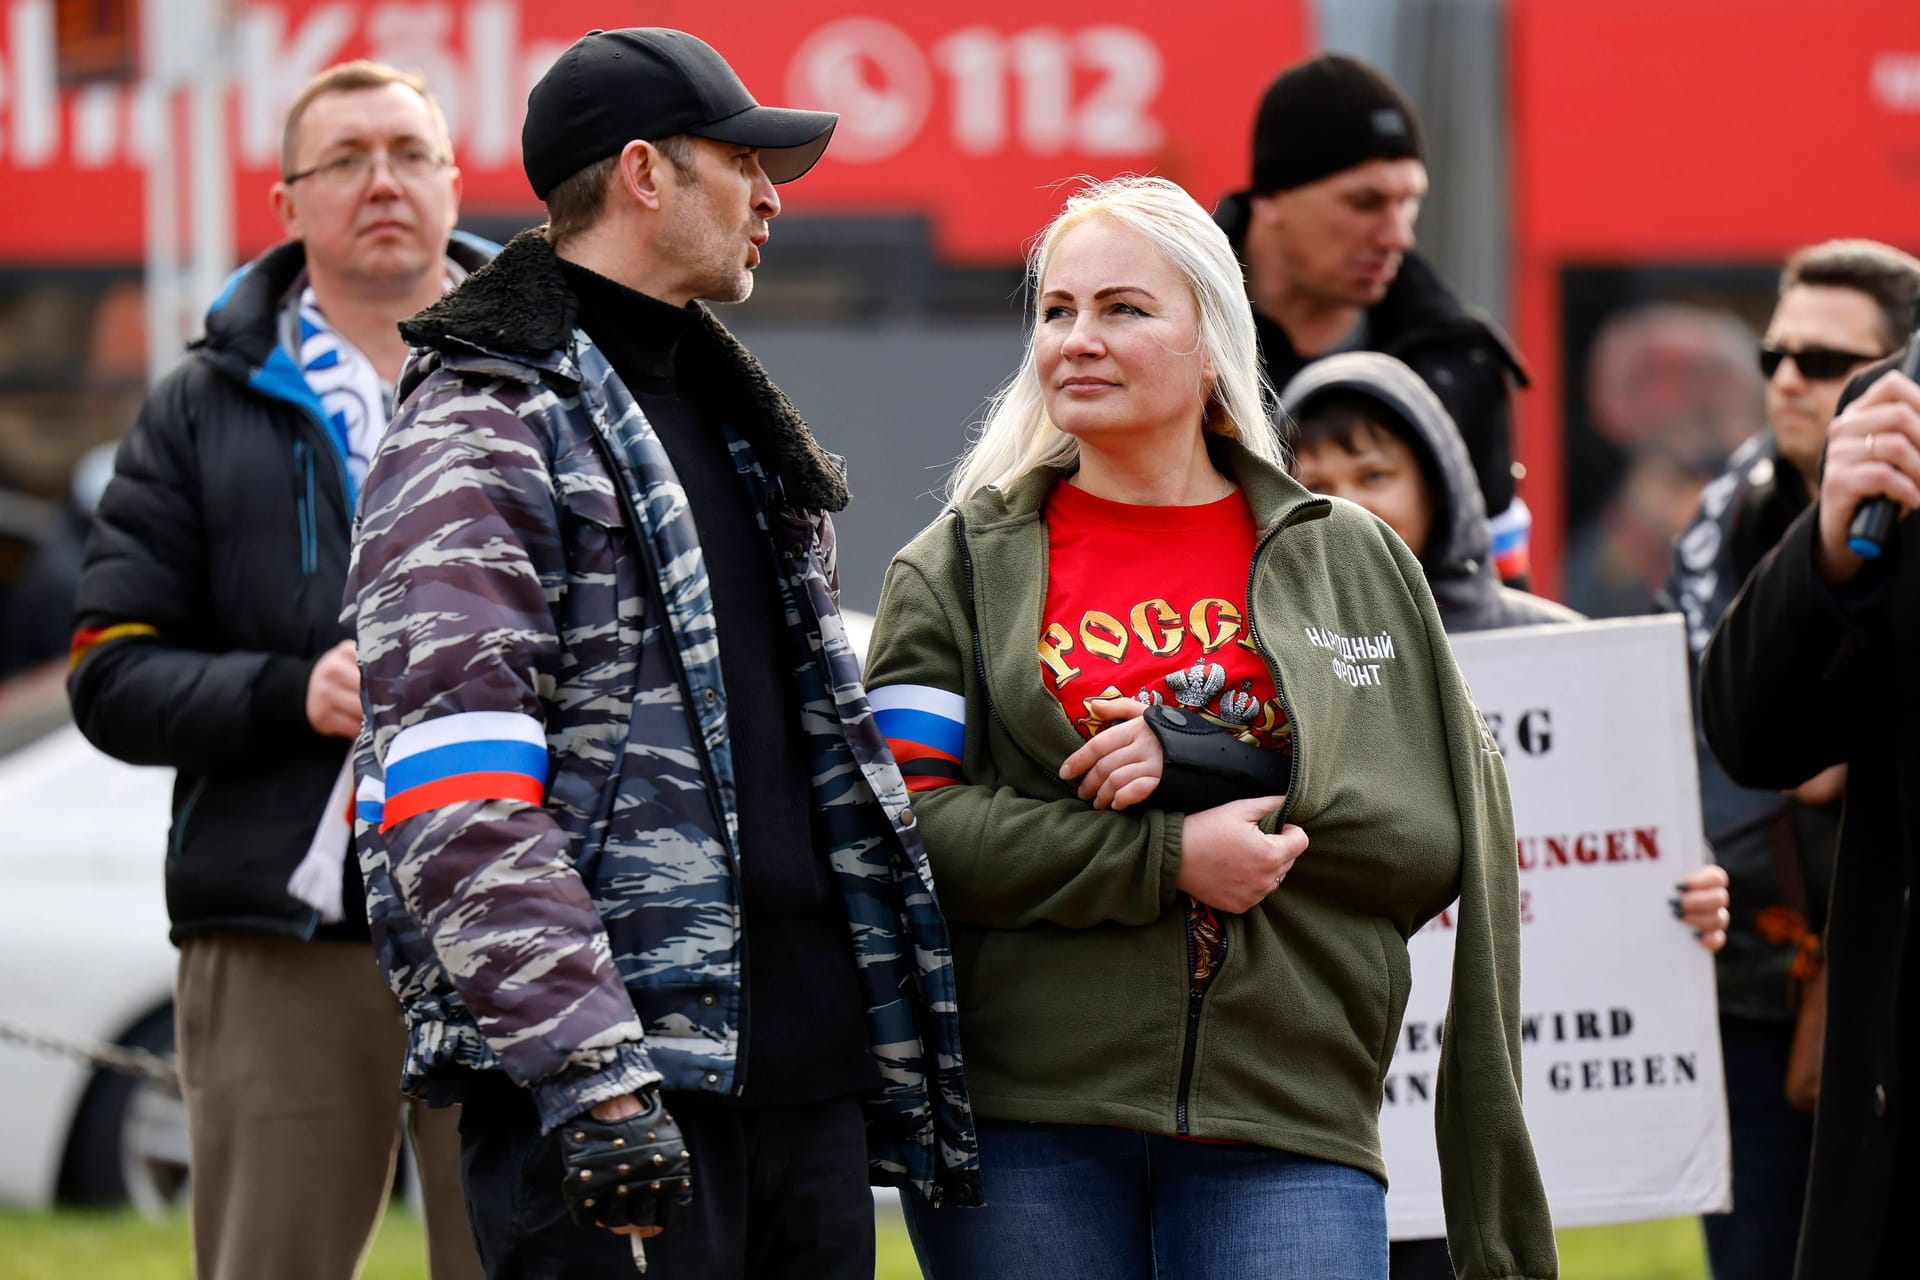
(648, 83)
(1328, 114)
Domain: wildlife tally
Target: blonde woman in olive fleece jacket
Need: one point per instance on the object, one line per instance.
(1192, 761)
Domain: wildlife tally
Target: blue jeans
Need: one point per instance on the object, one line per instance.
(1067, 1200)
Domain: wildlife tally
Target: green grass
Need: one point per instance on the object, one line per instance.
(75, 1245)
(1668, 1250)
(121, 1246)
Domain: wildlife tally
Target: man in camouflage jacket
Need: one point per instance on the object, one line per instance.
(547, 780)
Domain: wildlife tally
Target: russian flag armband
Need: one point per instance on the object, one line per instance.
(465, 757)
(926, 728)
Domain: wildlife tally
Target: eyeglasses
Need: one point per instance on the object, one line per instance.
(352, 168)
(1816, 364)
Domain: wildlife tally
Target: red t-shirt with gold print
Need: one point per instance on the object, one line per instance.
(1147, 602)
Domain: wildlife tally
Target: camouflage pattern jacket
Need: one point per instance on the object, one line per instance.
(546, 789)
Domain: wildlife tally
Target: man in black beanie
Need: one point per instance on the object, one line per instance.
(1326, 234)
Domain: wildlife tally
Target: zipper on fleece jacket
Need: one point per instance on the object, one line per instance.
(979, 658)
(1316, 506)
(1196, 999)
(1196, 1003)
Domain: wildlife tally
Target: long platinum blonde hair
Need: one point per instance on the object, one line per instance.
(1017, 436)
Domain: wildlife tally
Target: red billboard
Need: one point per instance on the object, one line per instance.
(966, 115)
(1694, 132)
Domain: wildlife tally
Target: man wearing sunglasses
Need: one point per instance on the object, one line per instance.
(208, 638)
(1843, 305)
(1813, 666)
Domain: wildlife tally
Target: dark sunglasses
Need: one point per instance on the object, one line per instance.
(1816, 364)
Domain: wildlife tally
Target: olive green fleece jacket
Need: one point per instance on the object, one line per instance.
(1070, 948)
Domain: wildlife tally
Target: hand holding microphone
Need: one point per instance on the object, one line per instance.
(1872, 471)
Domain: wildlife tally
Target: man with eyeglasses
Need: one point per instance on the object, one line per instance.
(1843, 304)
(208, 637)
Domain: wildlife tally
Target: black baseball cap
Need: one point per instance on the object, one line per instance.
(649, 83)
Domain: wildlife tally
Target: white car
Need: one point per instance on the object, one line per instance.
(84, 957)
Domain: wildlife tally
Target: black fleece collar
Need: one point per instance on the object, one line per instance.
(520, 305)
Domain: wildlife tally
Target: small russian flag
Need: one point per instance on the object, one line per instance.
(369, 800)
(1512, 533)
(927, 731)
(473, 755)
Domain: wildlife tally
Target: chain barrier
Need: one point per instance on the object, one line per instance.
(147, 1065)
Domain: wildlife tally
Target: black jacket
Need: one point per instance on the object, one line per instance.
(212, 583)
(1798, 677)
(1463, 355)
(1777, 853)
(1458, 555)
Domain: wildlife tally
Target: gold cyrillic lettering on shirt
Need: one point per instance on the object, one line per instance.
(1215, 623)
(1055, 643)
(1103, 635)
(1157, 623)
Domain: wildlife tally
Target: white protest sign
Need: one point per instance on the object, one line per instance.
(1620, 1037)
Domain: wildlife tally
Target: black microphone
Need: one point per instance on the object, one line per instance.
(1873, 520)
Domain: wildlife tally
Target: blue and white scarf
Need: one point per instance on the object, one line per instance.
(357, 403)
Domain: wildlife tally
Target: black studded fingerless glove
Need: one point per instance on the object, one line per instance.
(634, 1172)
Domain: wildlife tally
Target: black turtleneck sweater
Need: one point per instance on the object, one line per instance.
(804, 1032)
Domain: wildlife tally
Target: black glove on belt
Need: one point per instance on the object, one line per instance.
(1207, 766)
(634, 1172)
